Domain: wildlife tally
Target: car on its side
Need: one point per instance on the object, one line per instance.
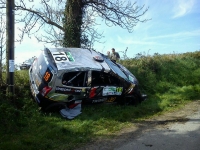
(62, 77)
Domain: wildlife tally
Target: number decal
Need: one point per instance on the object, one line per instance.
(47, 76)
(119, 89)
(57, 58)
(58, 53)
(60, 57)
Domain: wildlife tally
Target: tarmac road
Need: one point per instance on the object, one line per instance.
(182, 135)
(176, 130)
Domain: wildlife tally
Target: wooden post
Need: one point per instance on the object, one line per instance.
(10, 37)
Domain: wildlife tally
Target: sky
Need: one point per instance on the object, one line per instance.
(174, 27)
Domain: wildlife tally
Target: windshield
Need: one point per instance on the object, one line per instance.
(115, 68)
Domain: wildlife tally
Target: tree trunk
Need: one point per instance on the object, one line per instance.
(72, 23)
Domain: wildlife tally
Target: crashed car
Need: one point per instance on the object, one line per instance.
(65, 77)
(27, 64)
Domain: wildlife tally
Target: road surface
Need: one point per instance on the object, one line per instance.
(177, 130)
(182, 135)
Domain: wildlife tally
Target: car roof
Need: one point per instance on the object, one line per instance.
(77, 59)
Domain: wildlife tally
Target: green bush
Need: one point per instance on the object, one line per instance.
(160, 73)
(168, 80)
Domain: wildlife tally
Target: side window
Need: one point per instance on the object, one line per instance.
(77, 79)
(103, 79)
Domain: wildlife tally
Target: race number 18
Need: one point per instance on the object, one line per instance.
(60, 56)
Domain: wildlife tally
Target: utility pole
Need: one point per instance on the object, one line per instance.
(10, 37)
(1, 53)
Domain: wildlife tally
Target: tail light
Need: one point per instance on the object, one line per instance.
(45, 90)
(92, 92)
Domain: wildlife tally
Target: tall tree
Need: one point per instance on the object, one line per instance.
(72, 22)
(116, 12)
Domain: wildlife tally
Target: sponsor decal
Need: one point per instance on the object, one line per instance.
(112, 91)
(64, 90)
(70, 57)
(111, 99)
(99, 100)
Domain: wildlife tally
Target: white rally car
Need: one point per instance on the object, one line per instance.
(62, 77)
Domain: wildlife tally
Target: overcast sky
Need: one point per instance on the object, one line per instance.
(174, 28)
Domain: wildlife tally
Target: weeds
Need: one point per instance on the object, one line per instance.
(169, 81)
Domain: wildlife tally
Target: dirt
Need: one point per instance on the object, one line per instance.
(128, 134)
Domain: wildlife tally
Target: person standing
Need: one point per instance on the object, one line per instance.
(108, 54)
(114, 56)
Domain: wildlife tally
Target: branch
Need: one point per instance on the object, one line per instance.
(41, 16)
(121, 13)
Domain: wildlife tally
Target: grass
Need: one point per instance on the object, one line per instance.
(24, 126)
